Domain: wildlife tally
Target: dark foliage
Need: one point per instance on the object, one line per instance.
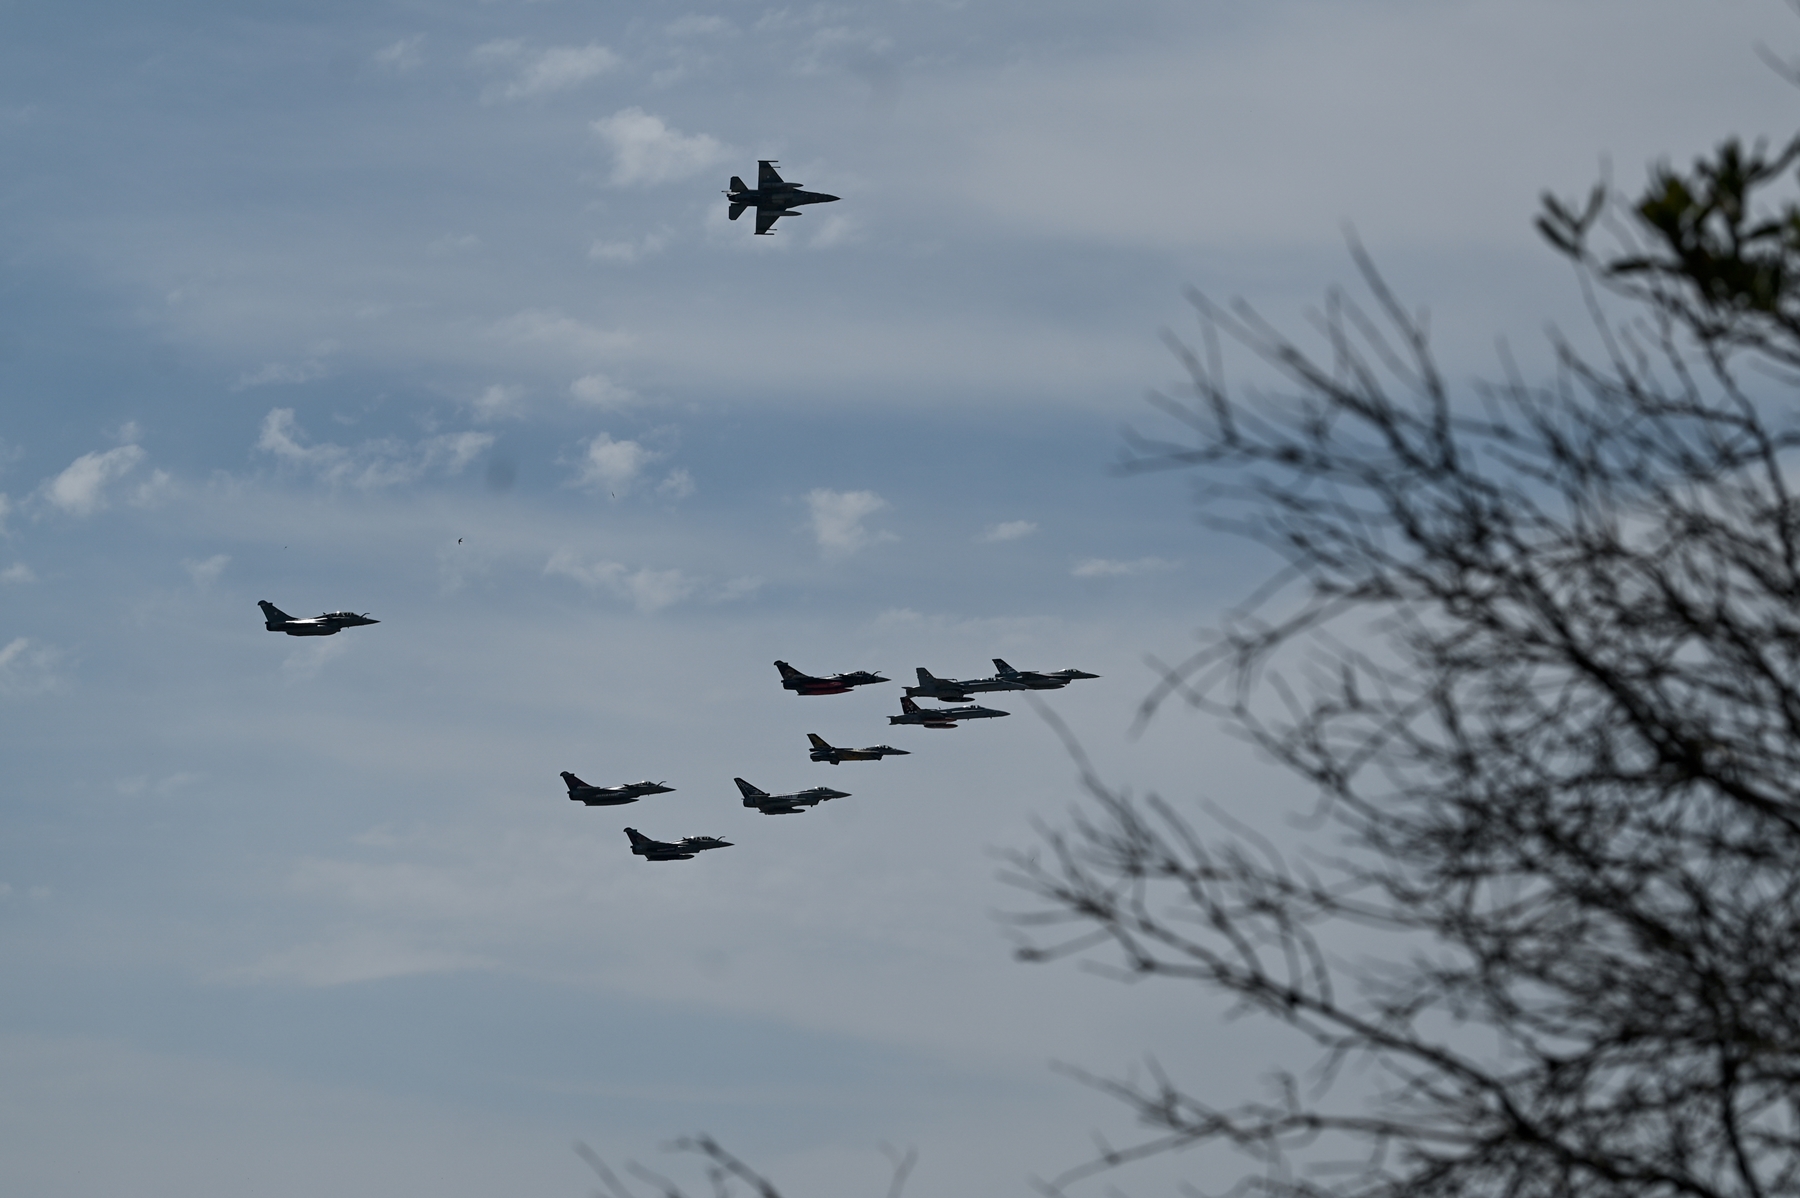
(1537, 650)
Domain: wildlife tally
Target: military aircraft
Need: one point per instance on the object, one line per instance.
(612, 796)
(790, 804)
(951, 690)
(1031, 680)
(276, 620)
(940, 717)
(682, 850)
(772, 197)
(837, 684)
(827, 752)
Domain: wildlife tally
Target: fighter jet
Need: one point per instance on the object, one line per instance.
(772, 197)
(951, 690)
(825, 752)
(837, 684)
(1030, 680)
(276, 620)
(682, 850)
(940, 717)
(790, 804)
(612, 796)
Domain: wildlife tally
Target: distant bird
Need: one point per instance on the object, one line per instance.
(459, 540)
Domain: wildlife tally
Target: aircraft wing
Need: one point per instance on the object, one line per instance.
(766, 175)
(766, 218)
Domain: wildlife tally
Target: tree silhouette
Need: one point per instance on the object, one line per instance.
(1536, 648)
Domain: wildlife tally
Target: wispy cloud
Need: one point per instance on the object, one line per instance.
(402, 56)
(837, 519)
(552, 330)
(1011, 530)
(81, 490)
(1100, 567)
(379, 463)
(539, 73)
(628, 251)
(648, 590)
(18, 574)
(679, 484)
(30, 667)
(207, 572)
(646, 151)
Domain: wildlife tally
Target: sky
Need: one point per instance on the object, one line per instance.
(431, 309)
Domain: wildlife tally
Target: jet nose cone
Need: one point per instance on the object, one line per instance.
(825, 199)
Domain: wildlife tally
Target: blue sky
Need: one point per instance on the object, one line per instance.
(431, 309)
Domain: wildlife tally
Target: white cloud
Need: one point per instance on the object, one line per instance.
(207, 572)
(646, 151)
(29, 667)
(1011, 530)
(646, 589)
(600, 391)
(81, 489)
(5, 510)
(151, 491)
(837, 518)
(613, 466)
(17, 574)
(403, 55)
(678, 485)
(498, 401)
(373, 463)
(1100, 567)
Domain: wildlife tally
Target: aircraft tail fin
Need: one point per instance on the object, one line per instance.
(907, 704)
(571, 781)
(749, 791)
(1003, 667)
(271, 613)
(788, 671)
(638, 837)
(925, 677)
(736, 209)
(818, 742)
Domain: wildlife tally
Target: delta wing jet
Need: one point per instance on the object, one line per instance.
(821, 751)
(772, 197)
(611, 796)
(789, 804)
(837, 684)
(940, 717)
(681, 850)
(276, 620)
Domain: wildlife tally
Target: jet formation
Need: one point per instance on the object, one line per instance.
(823, 751)
(1005, 678)
(941, 717)
(788, 804)
(681, 850)
(837, 684)
(276, 620)
(612, 796)
(772, 197)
